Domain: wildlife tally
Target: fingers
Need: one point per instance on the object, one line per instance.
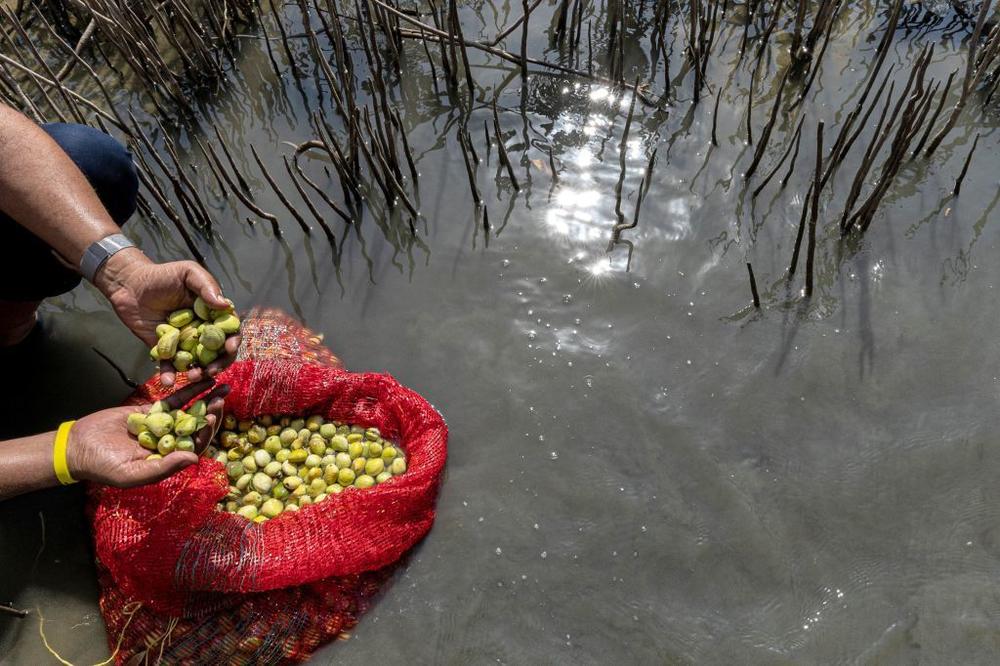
(184, 395)
(201, 282)
(167, 373)
(203, 437)
(233, 345)
(141, 472)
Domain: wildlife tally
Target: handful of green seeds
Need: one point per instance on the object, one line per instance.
(164, 431)
(280, 464)
(194, 337)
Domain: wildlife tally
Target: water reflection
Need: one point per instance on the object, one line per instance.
(583, 206)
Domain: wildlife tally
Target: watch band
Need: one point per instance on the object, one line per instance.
(100, 251)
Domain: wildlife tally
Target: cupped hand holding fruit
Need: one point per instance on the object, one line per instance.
(101, 449)
(144, 294)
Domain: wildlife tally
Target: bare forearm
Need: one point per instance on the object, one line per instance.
(26, 465)
(44, 191)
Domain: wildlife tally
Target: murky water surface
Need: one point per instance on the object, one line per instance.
(641, 468)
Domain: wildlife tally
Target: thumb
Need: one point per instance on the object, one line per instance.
(142, 472)
(201, 282)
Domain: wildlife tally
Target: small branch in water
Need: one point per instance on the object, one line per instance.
(715, 117)
(965, 167)
(753, 287)
(814, 215)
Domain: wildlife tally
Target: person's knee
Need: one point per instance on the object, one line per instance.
(105, 162)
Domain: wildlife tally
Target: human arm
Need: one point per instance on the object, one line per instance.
(45, 192)
(101, 450)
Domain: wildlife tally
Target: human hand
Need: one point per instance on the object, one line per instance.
(100, 448)
(144, 293)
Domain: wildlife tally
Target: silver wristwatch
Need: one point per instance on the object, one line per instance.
(100, 251)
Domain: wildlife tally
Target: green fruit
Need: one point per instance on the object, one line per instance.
(262, 482)
(272, 469)
(383, 477)
(198, 409)
(261, 457)
(248, 511)
(244, 481)
(154, 355)
(188, 339)
(136, 423)
(180, 318)
(288, 469)
(312, 460)
(298, 456)
(346, 476)
(328, 431)
(159, 406)
(358, 465)
(253, 497)
(147, 440)
(398, 466)
(374, 450)
(159, 423)
(272, 508)
(212, 338)
(287, 436)
(185, 424)
(201, 309)
(234, 470)
(166, 445)
(339, 443)
(356, 449)
(185, 443)
(291, 482)
(372, 435)
(256, 434)
(182, 360)
(163, 329)
(388, 453)
(228, 323)
(291, 507)
(205, 356)
(317, 446)
(317, 486)
(364, 481)
(374, 466)
(272, 445)
(343, 460)
(249, 464)
(314, 422)
(335, 489)
(166, 347)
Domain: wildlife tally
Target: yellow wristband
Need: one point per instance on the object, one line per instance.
(59, 454)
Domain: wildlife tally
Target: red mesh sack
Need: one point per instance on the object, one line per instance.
(184, 583)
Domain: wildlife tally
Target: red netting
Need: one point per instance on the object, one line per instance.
(185, 583)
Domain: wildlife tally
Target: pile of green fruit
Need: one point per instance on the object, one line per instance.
(164, 431)
(281, 464)
(194, 337)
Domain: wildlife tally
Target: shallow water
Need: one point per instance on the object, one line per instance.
(641, 467)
